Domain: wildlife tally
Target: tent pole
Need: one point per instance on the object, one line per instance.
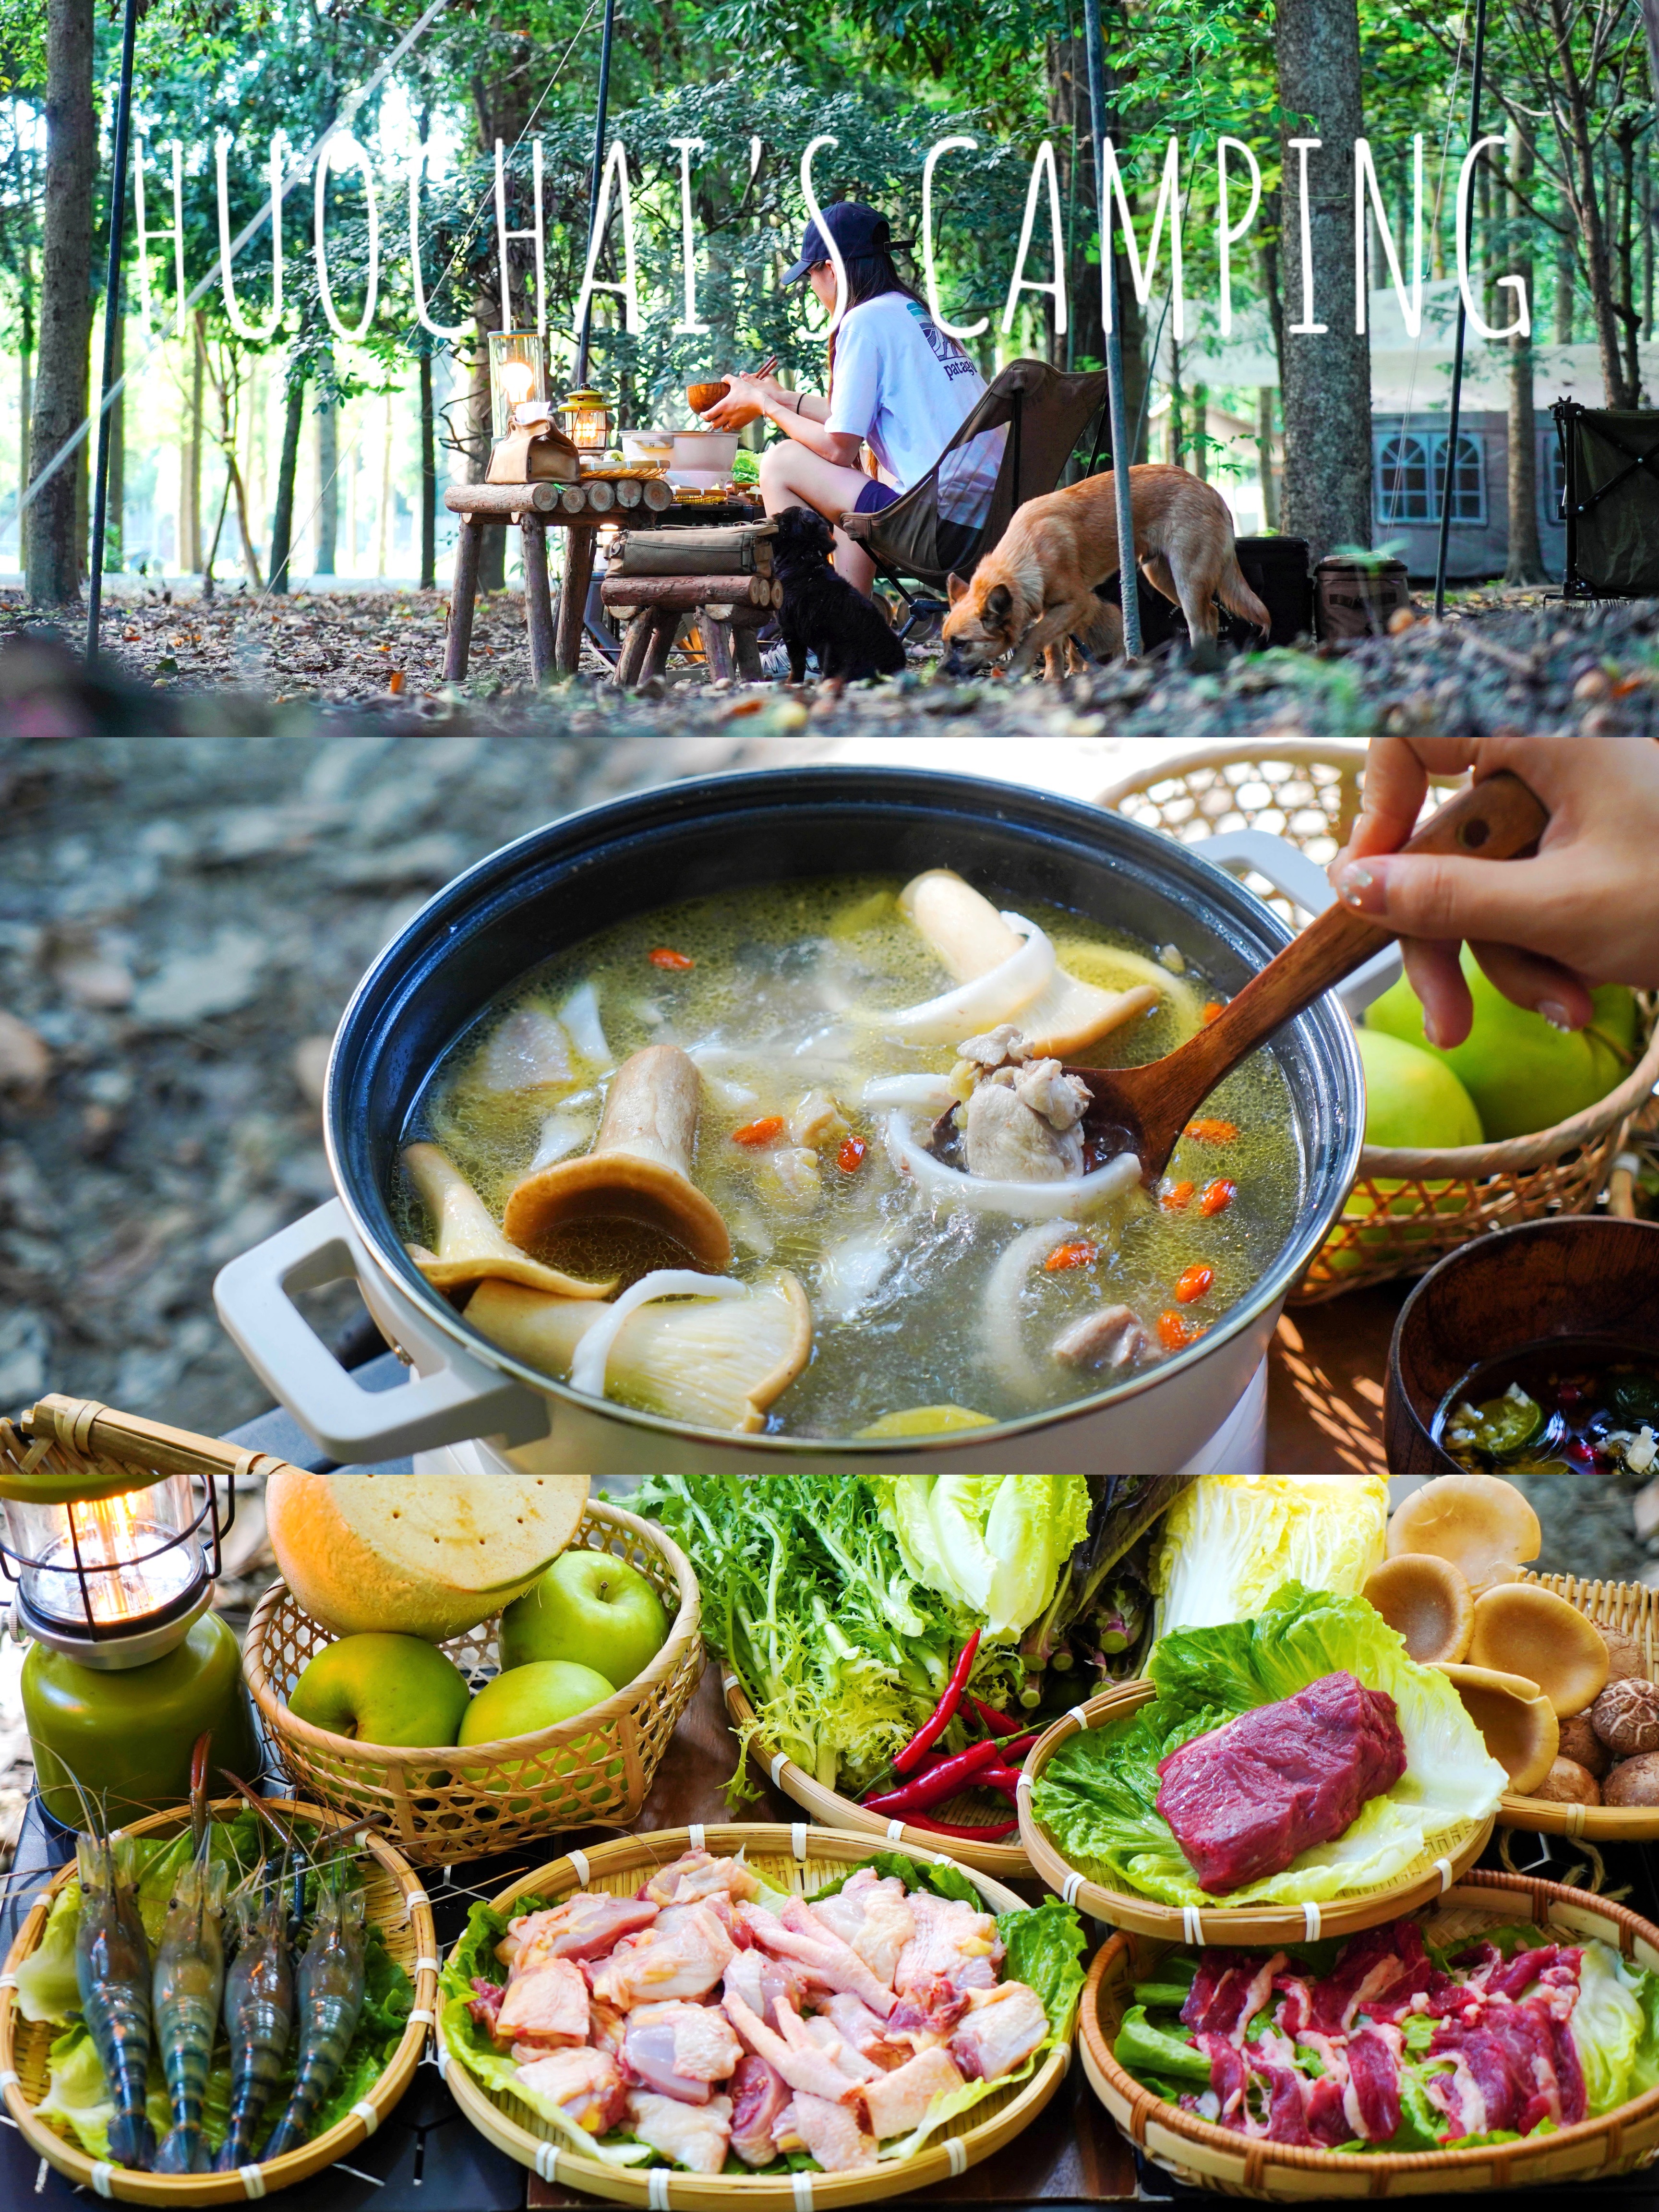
(117, 210)
(1448, 473)
(1128, 574)
(583, 334)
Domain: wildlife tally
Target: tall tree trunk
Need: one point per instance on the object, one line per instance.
(429, 482)
(382, 521)
(1326, 388)
(492, 558)
(1526, 555)
(25, 407)
(1264, 456)
(1566, 272)
(1175, 422)
(190, 535)
(115, 557)
(1201, 432)
(282, 525)
(1584, 201)
(53, 573)
(328, 488)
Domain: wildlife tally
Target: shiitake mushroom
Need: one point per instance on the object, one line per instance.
(1633, 1782)
(1626, 1717)
(1568, 1783)
(1580, 1743)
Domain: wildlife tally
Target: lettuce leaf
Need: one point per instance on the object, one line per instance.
(1615, 2024)
(1045, 1944)
(994, 1544)
(46, 1986)
(1230, 1540)
(1098, 1794)
(943, 1881)
(77, 2094)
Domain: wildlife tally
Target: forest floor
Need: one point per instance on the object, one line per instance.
(1501, 661)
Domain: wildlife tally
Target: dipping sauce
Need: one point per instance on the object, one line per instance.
(1572, 1406)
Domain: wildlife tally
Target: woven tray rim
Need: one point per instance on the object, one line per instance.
(1602, 1602)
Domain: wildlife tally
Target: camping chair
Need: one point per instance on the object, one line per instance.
(1039, 414)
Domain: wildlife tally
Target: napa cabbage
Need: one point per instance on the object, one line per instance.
(1615, 2024)
(995, 1545)
(1230, 1540)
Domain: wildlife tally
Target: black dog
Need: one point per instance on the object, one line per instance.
(821, 612)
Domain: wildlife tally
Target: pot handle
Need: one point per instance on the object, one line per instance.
(459, 1398)
(1288, 869)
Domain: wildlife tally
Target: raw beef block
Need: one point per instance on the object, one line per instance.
(1247, 1799)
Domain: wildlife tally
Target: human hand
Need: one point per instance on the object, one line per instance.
(742, 404)
(1584, 911)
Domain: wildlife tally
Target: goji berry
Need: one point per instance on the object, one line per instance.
(1070, 1255)
(851, 1154)
(1217, 1195)
(664, 956)
(1192, 1283)
(1173, 1333)
(1178, 1196)
(1209, 1012)
(1213, 1133)
(766, 1131)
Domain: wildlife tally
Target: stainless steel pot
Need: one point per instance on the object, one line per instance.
(581, 875)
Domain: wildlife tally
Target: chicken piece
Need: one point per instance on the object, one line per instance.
(844, 2056)
(678, 2048)
(760, 1981)
(786, 2134)
(951, 1942)
(673, 1917)
(1044, 1086)
(1002, 1047)
(586, 1926)
(1008, 1142)
(806, 2070)
(899, 2101)
(584, 2083)
(1113, 1337)
(485, 2003)
(874, 1917)
(926, 2012)
(760, 2095)
(817, 1952)
(859, 2027)
(546, 2007)
(696, 1873)
(792, 1173)
(651, 1966)
(1001, 2026)
(530, 1048)
(607, 2028)
(693, 2136)
(818, 1122)
(831, 2132)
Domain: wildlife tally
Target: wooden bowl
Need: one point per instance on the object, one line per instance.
(700, 398)
(798, 1858)
(396, 1904)
(1583, 1275)
(1206, 2157)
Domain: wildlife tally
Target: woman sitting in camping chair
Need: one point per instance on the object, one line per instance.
(898, 384)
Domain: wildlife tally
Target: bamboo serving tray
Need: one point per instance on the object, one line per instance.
(1428, 1879)
(1207, 2157)
(798, 1858)
(1630, 1608)
(1006, 1859)
(396, 1904)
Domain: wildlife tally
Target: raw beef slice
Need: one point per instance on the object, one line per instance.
(1247, 1799)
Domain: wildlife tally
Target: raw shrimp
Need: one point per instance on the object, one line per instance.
(258, 2016)
(111, 1971)
(189, 1981)
(331, 2003)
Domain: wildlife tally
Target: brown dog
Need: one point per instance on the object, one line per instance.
(1034, 591)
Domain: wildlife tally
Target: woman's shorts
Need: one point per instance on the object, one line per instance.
(874, 496)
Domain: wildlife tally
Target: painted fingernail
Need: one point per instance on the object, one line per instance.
(1556, 1015)
(1359, 885)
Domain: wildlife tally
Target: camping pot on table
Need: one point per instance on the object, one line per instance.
(584, 873)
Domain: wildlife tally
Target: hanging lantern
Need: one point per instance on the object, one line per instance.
(586, 418)
(517, 373)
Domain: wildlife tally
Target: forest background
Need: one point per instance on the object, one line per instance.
(303, 454)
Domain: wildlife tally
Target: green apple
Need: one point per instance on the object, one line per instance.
(1522, 1074)
(394, 1690)
(1411, 1096)
(592, 1607)
(524, 1700)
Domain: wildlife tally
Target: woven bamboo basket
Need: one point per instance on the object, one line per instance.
(1206, 2157)
(1006, 1859)
(1430, 1877)
(396, 1904)
(798, 1858)
(1630, 1608)
(1409, 1206)
(595, 1768)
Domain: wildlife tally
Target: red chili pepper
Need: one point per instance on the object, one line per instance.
(1015, 1753)
(1213, 1133)
(943, 1714)
(1217, 1195)
(1173, 1333)
(664, 956)
(964, 1832)
(850, 1155)
(1070, 1255)
(1005, 1778)
(999, 1723)
(943, 1780)
(1208, 1012)
(1177, 1197)
(766, 1131)
(1193, 1283)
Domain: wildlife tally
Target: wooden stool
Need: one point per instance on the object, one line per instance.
(729, 610)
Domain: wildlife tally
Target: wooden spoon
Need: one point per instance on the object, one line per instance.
(1145, 1109)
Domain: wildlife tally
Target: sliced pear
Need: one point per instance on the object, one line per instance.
(714, 1364)
(971, 938)
(471, 1248)
(1517, 1723)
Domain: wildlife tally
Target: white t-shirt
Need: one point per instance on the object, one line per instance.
(905, 388)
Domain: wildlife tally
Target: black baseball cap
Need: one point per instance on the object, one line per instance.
(856, 230)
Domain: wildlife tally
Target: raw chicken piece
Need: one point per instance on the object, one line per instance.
(545, 2006)
(485, 2003)
(951, 1940)
(786, 2135)
(859, 2027)
(817, 1121)
(832, 2134)
(651, 1966)
(926, 2012)
(586, 2083)
(607, 2027)
(873, 1916)
(760, 1981)
(844, 2056)
(1002, 2026)
(805, 2070)
(759, 2095)
(696, 1873)
(586, 1926)
(1009, 1141)
(1113, 1337)
(678, 2048)
(674, 1917)
(817, 1951)
(898, 2102)
(693, 2136)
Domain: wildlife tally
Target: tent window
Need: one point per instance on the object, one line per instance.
(1410, 465)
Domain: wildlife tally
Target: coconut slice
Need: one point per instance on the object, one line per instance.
(1517, 1723)
(716, 1363)
(471, 1248)
(1481, 1523)
(1427, 1602)
(1523, 1629)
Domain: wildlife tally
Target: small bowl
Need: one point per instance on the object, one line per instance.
(700, 398)
(1581, 1275)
